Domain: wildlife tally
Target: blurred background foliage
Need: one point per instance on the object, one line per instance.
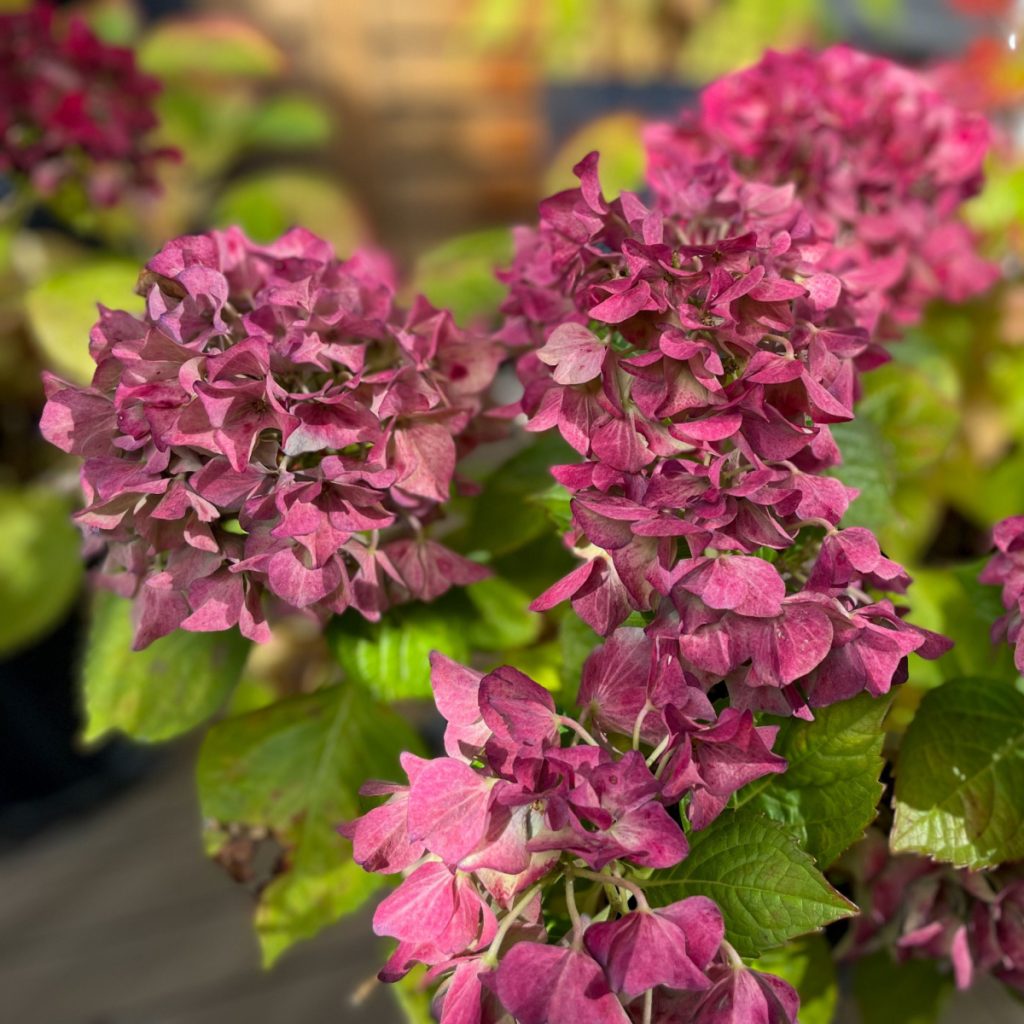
(429, 119)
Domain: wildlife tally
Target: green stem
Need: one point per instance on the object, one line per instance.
(491, 956)
(618, 881)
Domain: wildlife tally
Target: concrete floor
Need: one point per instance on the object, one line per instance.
(117, 918)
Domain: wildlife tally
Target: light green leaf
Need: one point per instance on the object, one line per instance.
(268, 203)
(828, 794)
(618, 138)
(40, 564)
(459, 274)
(391, 658)
(290, 121)
(912, 992)
(503, 517)
(866, 465)
(209, 47)
(294, 769)
(62, 309)
(768, 889)
(502, 616)
(576, 640)
(960, 775)
(173, 685)
(807, 965)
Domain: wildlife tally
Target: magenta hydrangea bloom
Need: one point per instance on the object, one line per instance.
(880, 159)
(73, 108)
(272, 425)
(971, 922)
(530, 802)
(1006, 569)
(695, 357)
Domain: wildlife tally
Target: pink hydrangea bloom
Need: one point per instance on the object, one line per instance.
(1006, 569)
(695, 356)
(529, 803)
(880, 159)
(73, 108)
(970, 921)
(272, 425)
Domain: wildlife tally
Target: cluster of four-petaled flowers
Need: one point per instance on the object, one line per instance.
(529, 805)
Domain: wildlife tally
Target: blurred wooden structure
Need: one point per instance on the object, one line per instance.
(438, 136)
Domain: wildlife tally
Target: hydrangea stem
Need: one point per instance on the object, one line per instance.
(491, 956)
(619, 882)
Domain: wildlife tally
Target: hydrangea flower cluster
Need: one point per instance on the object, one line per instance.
(1006, 569)
(521, 848)
(881, 160)
(916, 907)
(271, 425)
(694, 355)
(72, 108)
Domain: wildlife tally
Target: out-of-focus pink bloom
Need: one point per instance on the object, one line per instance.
(73, 109)
(880, 159)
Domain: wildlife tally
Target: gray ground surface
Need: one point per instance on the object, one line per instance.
(116, 918)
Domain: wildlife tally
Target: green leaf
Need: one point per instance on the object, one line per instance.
(828, 794)
(960, 775)
(173, 685)
(952, 601)
(912, 992)
(294, 769)
(576, 640)
(62, 309)
(866, 465)
(618, 138)
(459, 274)
(503, 618)
(503, 519)
(808, 966)
(291, 121)
(40, 564)
(268, 203)
(556, 501)
(391, 658)
(209, 47)
(768, 889)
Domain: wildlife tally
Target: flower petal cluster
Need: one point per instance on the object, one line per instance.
(531, 804)
(695, 358)
(1006, 569)
(971, 920)
(881, 160)
(272, 424)
(73, 108)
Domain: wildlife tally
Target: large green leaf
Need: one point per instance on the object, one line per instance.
(459, 274)
(294, 770)
(866, 465)
(618, 138)
(960, 775)
(768, 889)
(807, 965)
(504, 519)
(951, 601)
(209, 47)
(40, 564)
(173, 685)
(289, 121)
(62, 309)
(911, 992)
(828, 794)
(391, 658)
(267, 203)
